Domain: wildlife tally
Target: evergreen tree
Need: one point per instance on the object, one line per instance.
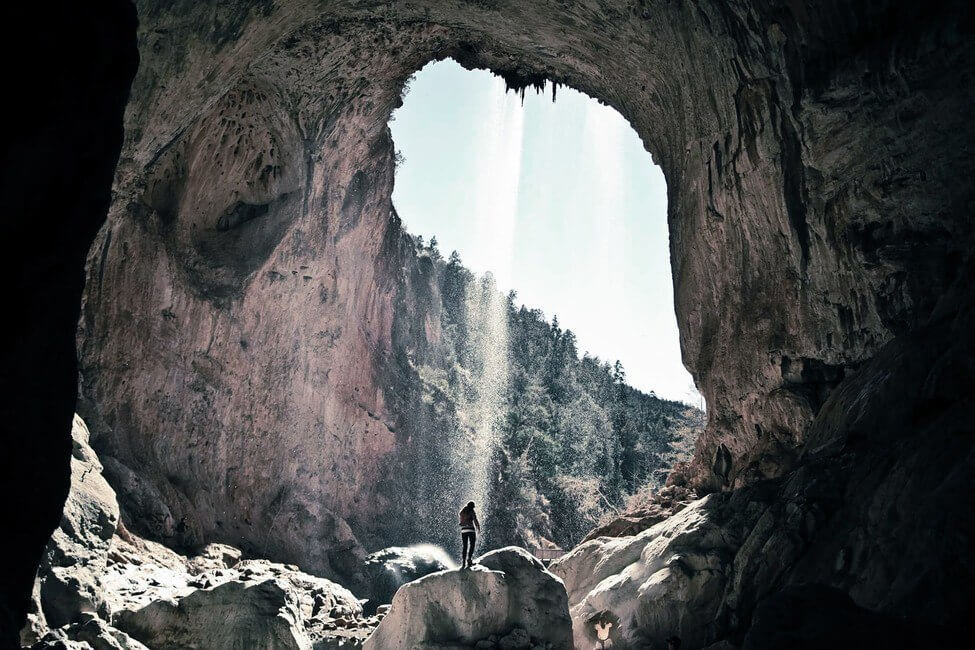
(574, 440)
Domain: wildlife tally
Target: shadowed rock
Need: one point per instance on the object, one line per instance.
(68, 579)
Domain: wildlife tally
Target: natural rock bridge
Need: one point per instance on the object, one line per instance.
(242, 302)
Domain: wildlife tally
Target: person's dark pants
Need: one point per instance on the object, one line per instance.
(469, 538)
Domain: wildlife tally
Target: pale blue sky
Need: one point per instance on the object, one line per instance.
(559, 200)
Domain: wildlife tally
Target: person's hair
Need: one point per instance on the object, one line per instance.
(674, 641)
(470, 504)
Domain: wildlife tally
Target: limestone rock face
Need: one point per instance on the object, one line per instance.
(249, 306)
(240, 316)
(507, 598)
(667, 580)
(828, 554)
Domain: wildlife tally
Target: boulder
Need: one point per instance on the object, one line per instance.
(507, 590)
(670, 579)
(88, 633)
(232, 615)
(214, 556)
(390, 568)
(255, 603)
(101, 586)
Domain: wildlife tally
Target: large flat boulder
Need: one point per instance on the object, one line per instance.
(508, 599)
(250, 604)
(230, 616)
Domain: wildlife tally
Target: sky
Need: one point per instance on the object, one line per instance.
(560, 201)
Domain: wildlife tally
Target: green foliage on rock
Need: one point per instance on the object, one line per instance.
(572, 441)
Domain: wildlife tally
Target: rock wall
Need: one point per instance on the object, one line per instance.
(235, 339)
(868, 541)
(238, 323)
(241, 298)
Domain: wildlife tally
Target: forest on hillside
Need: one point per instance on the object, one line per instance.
(569, 444)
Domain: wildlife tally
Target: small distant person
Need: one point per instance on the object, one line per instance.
(469, 527)
(673, 643)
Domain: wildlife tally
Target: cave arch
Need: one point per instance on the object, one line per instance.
(800, 250)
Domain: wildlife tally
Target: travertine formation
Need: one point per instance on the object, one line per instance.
(250, 313)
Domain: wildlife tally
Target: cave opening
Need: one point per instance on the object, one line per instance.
(819, 163)
(556, 382)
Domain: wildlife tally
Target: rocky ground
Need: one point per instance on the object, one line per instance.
(102, 587)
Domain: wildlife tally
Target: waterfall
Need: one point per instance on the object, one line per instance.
(494, 213)
(487, 314)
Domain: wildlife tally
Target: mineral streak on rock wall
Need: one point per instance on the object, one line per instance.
(237, 342)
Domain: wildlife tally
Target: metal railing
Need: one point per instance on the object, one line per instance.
(546, 555)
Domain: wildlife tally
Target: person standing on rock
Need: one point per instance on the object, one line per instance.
(469, 527)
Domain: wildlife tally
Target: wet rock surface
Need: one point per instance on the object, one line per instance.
(506, 600)
(390, 568)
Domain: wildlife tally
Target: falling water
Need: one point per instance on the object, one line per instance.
(494, 214)
(487, 314)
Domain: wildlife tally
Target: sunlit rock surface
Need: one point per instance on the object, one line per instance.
(69, 578)
(87, 633)
(507, 600)
(664, 503)
(103, 586)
